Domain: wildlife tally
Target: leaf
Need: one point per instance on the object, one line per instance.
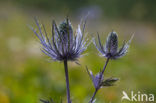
(47, 101)
(109, 82)
(44, 101)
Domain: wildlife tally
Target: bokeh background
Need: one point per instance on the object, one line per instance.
(27, 75)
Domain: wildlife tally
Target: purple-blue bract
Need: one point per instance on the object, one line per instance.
(63, 44)
(110, 49)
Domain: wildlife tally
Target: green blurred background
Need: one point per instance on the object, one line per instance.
(27, 75)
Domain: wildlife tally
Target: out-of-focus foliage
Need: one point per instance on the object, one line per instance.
(27, 75)
(134, 9)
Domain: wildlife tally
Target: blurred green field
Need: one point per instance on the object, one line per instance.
(27, 75)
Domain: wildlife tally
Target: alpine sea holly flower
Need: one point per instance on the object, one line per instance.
(63, 44)
(110, 49)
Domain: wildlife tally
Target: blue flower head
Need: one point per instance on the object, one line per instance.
(110, 49)
(63, 44)
(99, 81)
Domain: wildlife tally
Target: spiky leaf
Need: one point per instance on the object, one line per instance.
(109, 82)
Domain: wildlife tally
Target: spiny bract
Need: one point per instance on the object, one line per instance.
(63, 44)
(110, 49)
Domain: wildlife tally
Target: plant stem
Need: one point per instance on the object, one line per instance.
(91, 100)
(67, 81)
(96, 90)
(105, 66)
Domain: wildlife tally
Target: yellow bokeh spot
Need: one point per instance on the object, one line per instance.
(3, 98)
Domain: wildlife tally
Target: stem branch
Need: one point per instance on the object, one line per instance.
(96, 90)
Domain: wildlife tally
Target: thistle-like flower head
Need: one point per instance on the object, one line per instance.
(99, 81)
(95, 79)
(63, 44)
(110, 49)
